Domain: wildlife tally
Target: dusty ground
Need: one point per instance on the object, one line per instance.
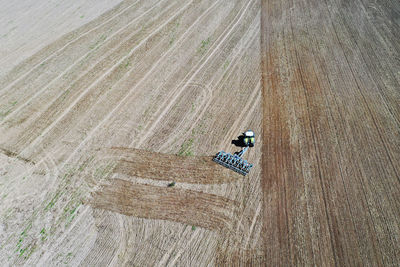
(30, 25)
(331, 184)
(97, 119)
(95, 126)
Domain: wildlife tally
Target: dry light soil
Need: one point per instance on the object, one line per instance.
(103, 104)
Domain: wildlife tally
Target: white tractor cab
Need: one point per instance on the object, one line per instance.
(248, 138)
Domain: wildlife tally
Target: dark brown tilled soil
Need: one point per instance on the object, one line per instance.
(165, 203)
(331, 133)
(167, 167)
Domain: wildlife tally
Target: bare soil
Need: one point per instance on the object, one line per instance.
(100, 113)
(159, 166)
(96, 124)
(331, 177)
(153, 202)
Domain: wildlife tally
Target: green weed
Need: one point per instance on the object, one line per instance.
(226, 64)
(22, 251)
(204, 46)
(31, 250)
(67, 258)
(5, 113)
(21, 239)
(186, 148)
(43, 234)
(52, 201)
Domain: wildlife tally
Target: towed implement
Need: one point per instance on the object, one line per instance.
(236, 162)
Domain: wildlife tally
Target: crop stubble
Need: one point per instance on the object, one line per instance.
(331, 133)
(153, 76)
(106, 85)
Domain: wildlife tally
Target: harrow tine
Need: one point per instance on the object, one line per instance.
(233, 162)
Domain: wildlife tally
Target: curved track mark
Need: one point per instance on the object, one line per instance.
(62, 48)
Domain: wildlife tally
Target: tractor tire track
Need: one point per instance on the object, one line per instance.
(177, 92)
(230, 70)
(202, 108)
(74, 73)
(53, 49)
(29, 138)
(123, 100)
(109, 236)
(193, 68)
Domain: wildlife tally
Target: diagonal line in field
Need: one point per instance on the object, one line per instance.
(89, 136)
(41, 137)
(76, 62)
(229, 70)
(176, 95)
(65, 46)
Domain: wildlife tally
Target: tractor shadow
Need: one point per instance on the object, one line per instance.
(239, 142)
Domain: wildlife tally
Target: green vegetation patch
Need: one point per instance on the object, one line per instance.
(43, 234)
(8, 109)
(53, 201)
(204, 46)
(226, 64)
(186, 148)
(29, 250)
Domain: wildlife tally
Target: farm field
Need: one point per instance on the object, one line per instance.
(96, 124)
(28, 26)
(102, 111)
(331, 152)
